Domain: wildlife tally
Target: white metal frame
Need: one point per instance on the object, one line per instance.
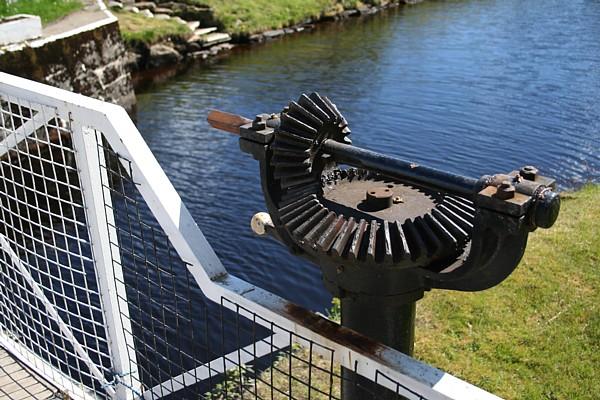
(110, 277)
(192, 247)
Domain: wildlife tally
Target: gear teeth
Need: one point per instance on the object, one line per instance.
(310, 105)
(313, 235)
(287, 183)
(338, 114)
(372, 246)
(293, 125)
(287, 208)
(450, 225)
(292, 151)
(309, 223)
(293, 139)
(303, 216)
(356, 245)
(328, 237)
(294, 212)
(420, 241)
(318, 100)
(388, 254)
(295, 193)
(279, 161)
(467, 216)
(346, 233)
(415, 241)
(302, 114)
(462, 202)
(432, 242)
(401, 243)
(443, 233)
(455, 218)
(290, 172)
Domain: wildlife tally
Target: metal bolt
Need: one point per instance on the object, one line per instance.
(260, 122)
(398, 200)
(529, 172)
(505, 191)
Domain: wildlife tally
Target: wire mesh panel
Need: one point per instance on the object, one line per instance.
(110, 290)
(188, 346)
(49, 300)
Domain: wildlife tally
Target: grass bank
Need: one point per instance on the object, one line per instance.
(250, 16)
(535, 336)
(48, 10)
(243, 17)
(239, 18)
(138, 28)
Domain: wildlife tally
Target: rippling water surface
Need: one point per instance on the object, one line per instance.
(469, 86)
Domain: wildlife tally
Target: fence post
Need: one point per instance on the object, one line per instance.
(103, 236)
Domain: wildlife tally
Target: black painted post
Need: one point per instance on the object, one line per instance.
(390, 323)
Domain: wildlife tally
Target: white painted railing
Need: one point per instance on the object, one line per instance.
(109, 289)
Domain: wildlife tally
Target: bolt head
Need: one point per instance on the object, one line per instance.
(505, 191)
(528, 172)
(260, 122)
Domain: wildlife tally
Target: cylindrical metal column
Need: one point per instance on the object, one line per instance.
(401, 169)
(388, 322)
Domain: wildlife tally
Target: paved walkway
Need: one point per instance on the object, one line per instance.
(17, 382)
(90, 13)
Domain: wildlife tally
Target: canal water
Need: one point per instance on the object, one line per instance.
(471, 86)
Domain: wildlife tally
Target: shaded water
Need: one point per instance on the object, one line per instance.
(473, 87)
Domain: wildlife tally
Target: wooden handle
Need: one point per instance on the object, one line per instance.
(226, 121)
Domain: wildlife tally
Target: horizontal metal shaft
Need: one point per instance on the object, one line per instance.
(401, 169)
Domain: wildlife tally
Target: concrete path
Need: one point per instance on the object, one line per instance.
(17, 382)
(89, 14)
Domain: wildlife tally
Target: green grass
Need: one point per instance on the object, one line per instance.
(249, 16)
(537, 335)
(48, 10)
(138, 28)
(237, 17)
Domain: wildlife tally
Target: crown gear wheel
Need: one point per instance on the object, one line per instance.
(353, 215)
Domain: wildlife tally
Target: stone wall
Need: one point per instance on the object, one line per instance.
(91, 62)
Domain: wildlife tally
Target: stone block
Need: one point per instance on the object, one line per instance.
(180, 20)
(161, 54)
(163, 10)
(193, 25)
(215, 38)
(20, 27)
(116, 5)
(273, 34)
(146, 5)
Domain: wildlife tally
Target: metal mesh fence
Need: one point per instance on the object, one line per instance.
(97, 298)
(188, 346)
(50, 309)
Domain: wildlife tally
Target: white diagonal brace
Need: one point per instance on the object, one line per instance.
(51, 310)
(16, 136)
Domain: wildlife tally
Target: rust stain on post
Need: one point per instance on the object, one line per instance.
(333, 331)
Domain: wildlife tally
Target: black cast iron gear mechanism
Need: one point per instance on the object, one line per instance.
(379, 225)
